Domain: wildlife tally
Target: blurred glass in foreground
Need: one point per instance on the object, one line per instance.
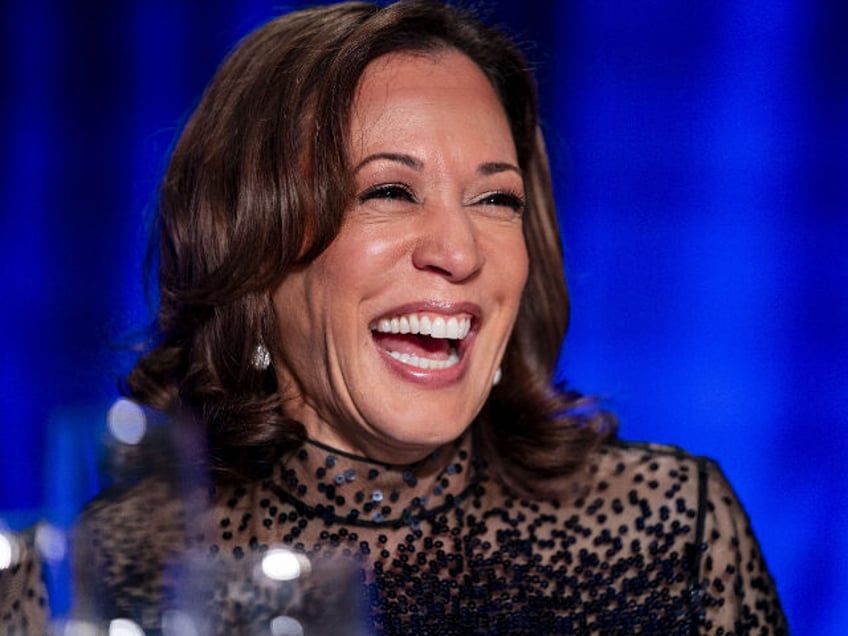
(132, 559)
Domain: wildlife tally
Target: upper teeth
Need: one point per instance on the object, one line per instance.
(452, 328)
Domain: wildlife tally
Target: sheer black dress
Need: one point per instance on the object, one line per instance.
(648, 540)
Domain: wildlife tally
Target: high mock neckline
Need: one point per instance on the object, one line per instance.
(331, 450)
(336, 485)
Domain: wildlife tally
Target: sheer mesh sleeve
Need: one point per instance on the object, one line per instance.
(741, 594)
(23, 596)
(122, 542)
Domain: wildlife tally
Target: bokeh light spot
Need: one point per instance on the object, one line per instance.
(8, 551)
(126, 421)
(51, 542)
(124, 627)
(286, 626)
(176, 623)
(77, 628)
(280, 564)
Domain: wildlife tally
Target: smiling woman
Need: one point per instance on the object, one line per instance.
(362, 302)
(432, 241)
(404, 175)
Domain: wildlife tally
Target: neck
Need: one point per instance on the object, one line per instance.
(340, 485)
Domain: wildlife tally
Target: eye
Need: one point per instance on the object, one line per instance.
(388, 192)
(511, 200)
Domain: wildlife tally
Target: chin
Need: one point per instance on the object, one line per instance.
(420, 436)
(413, 419)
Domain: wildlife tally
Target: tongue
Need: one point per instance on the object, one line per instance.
(421, 346)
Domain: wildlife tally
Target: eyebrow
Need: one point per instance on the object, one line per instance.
(406, 160)
(494, 167)
(486, 169)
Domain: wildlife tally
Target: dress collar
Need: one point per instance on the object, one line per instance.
(340, 487)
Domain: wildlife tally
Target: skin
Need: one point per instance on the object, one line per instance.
(436, 228)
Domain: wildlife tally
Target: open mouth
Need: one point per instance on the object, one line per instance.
(422, 341)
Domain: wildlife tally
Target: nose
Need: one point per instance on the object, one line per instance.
(448, 243)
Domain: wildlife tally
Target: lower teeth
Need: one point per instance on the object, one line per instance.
(425, 363)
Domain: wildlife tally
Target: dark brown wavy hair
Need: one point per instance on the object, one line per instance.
(258, 183)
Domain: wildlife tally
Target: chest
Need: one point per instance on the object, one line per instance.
(476, 567)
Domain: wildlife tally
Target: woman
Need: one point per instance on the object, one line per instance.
(361, 306)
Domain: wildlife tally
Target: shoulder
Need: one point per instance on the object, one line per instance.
(648, 492)
(645, 453)
(669, 475)
(667, 485)
(666, 469)
(648, 468)
(661, 488)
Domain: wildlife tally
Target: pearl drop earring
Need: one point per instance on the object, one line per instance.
(497, 379)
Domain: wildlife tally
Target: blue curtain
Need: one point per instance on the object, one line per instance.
(700, 155)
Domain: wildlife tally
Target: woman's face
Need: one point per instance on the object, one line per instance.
(391, 338)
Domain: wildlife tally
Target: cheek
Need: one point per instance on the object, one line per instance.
(366, 246)
(291, 309)
(299, 305)
(515, 266)
(301, 309)
(359, 263)
(524, 260)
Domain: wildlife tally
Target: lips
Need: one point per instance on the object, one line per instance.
(423, 340)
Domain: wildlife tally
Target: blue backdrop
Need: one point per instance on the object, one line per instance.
(700, 153)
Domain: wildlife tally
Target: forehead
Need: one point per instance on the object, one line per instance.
(395, 73)
(428, 93)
